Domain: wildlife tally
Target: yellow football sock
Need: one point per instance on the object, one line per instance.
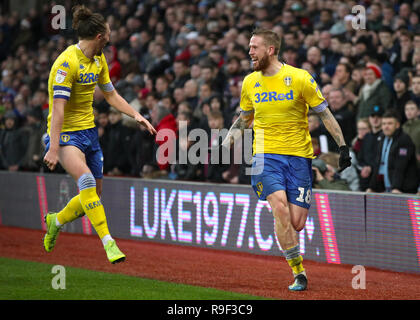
(294, 259)
(94, 211)
(71, 211)
(296, 265)
(92, 205)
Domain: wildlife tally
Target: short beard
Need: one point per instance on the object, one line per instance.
(263, 63)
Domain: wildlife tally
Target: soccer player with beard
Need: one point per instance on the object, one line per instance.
(276, 98)
(72, 136)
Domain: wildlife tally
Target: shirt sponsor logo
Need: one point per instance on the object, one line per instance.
(88, 77)
(273, 96)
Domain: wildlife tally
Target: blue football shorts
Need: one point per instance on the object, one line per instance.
(273, 172)
(88, 142)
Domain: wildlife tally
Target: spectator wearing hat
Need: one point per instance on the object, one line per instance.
(13, 144)
(395, 169)
(373, 92)
(401, 94)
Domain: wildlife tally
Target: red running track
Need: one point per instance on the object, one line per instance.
(239, 272)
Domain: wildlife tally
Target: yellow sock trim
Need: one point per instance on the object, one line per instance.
(71, 211)
(94, 211)
(296, 265)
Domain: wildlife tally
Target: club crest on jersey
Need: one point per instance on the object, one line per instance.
(65, 138)
(60, 76)
(287, 80)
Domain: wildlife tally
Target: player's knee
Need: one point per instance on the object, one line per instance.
(298, 226)
(86, 181)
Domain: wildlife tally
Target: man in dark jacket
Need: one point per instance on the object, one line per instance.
(367, 154)
(402, 94)
(116, 159)
(13, 144)
(395, 168)
(345, 118)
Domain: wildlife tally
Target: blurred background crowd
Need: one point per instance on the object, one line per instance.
(181, 64)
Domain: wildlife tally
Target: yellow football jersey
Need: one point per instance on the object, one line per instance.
(74, 77)
(280, 104)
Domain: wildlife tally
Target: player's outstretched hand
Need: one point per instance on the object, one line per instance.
(345, 160)
(142, 121)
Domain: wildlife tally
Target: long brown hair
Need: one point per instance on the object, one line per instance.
(86, 23)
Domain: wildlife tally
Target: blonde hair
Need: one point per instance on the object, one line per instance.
(270, 38)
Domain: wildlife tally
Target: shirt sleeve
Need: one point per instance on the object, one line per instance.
(104, 81)
(245, 103)
(63, 76)
(312, 94)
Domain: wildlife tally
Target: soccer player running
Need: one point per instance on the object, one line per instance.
(275, 97)
(72, 138)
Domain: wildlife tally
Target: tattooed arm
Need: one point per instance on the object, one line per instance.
(237, 129)
(332, 126)
(334, 129)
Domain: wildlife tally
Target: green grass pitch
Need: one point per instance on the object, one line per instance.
(23, 280)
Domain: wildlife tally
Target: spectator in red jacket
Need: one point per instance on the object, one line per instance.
(166, 127)
(111, 55)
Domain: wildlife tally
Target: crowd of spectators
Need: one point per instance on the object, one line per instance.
(181, 64)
